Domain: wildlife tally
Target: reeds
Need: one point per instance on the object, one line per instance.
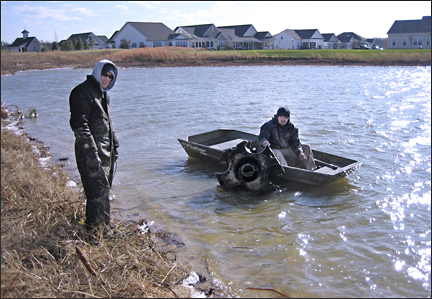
(42, 227)
(178, 56)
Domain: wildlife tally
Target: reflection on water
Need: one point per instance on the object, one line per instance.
(368, 235)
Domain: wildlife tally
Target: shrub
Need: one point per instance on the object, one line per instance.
(416, 56)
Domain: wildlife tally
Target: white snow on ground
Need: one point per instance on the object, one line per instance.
(189, 282)
(17, 127)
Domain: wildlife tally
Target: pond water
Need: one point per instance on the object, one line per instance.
(368, 235)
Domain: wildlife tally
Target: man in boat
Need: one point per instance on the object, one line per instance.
(282, 137)
(95, 142)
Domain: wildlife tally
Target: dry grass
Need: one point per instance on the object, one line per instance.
(42, 227)
(177, 56)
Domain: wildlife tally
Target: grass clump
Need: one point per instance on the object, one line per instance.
(44, 244)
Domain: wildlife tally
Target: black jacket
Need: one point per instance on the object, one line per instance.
(280, 137)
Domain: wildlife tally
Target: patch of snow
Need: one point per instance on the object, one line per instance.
(189, 282)
(144, 228)
(71, 183)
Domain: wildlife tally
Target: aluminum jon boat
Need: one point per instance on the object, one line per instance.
(254, 168)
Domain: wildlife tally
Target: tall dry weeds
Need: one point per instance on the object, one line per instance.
(42, 225)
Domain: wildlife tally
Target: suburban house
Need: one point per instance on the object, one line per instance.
(109, 43)
(86, 37)
(203, 36)
(378, 41)
(410, 34)
(299, 39)
(103, 38)
(246, 37)
(148, 34)
(287, 39)
(350, 40)
(330, 41)
(310, 38)
(25, 44)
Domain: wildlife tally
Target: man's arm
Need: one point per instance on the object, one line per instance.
(264, 135)
(80, 107)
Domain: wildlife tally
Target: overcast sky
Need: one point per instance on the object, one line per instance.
(57, 20)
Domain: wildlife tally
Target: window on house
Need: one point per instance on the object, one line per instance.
(393, 42)
(141, 44)
(420, 41)
(415, 41)
(281, 37)
(134, 45)
(427, 41)
(181, 44)
(157, 44)
(404, 41)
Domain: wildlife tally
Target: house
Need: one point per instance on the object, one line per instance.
(330, 41)
(4, 45)
(109, 43)
(86, 37)
(310, 38)
(203, 36)
(103, 38)
(350, 40)
(410, 34)
(266, 38)
(25, 44)
(379, 42)
(287, 39)
(246, 37)
(147, 34)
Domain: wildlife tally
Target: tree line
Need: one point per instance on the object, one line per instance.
(79, 44)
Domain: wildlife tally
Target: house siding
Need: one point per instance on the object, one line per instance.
(158, 35)
(286, 41)
(133, 35)
(408, 41)
(410, 34)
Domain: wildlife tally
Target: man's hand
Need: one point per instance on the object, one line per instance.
(265, 144)
(302, 157)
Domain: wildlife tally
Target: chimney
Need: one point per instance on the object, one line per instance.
(25, 34)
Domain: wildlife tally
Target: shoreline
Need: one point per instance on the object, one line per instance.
(63, 211)
(184, 57)
(122, 65)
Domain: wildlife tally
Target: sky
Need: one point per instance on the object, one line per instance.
(57, 20)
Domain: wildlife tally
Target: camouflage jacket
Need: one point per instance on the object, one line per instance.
(90, 121)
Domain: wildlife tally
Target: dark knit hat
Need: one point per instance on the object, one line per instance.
(283, 111)
(108, 68)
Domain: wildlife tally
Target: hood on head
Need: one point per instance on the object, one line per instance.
(97, 72)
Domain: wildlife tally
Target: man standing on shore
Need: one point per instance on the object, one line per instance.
(95, 141)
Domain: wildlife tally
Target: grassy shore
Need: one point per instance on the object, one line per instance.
(47, 253)
(172, 57)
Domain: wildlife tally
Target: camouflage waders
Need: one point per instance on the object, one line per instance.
(95, 143)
